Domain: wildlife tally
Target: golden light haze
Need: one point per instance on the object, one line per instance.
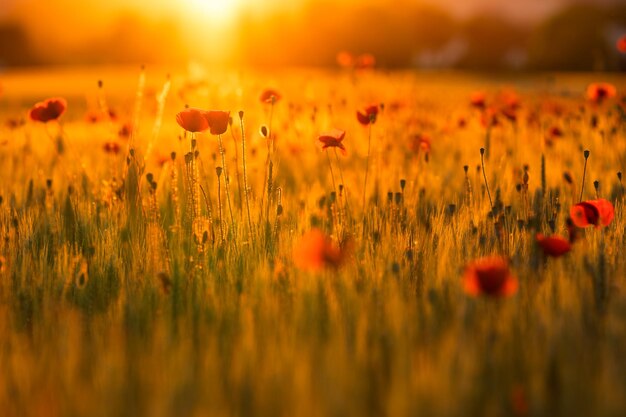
(68, 25)
(465, 34)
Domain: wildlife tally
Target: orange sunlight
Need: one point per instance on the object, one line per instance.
(217, 12)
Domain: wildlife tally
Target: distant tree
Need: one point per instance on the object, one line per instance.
(15, 49)
(490, 42)
(574, 39)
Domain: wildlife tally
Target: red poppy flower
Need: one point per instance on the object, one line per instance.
(596, 213)
(316, 251)
(489, 276)
(510, 99)
(218, 121)
(510, 113)
(270, 96)
(193, 120)
(489, 118)
(47, 110)
(125, 130)
(345, 59)
(621, 44)
(367, 115)
(96, 116)
(334, 138)
(554, 246)
(420, 143)
(14, 123)
(365, 61)
(555, 132)
(111, 147)
(598, 92)
(478, 99)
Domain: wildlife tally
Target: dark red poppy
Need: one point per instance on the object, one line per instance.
(489, 276)
(270, 96)
(333, 138)
(193, 120)
(478, 99)
(367, 115)
(596, 213)
(552, 134)
(14, 123)
(554, 246)
(509, 113)
(125, 130)
(555, 132)
(316, 251)
(489, 118)
(420, 142)
(598, 92)
(365, 61)
(621, 44)
(47, 110)
(510, 100)
(218, 121)
(111, 147)
(95, 116)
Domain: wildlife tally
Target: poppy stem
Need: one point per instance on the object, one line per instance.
(237, 170)
(582, 186)
(218, 171)
(367, 165)
(267, 183)
(342, 181)
(245, 173)
(226, 182)
(332, 176)
(482, 161)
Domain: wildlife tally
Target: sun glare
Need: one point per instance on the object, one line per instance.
(219, 12)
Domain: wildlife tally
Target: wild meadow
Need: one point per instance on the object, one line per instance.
(312, 243)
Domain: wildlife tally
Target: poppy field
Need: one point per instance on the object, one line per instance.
(351, 242)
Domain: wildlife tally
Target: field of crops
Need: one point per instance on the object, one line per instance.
(339, 244)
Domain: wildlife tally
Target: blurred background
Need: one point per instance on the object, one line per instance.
(465, 34)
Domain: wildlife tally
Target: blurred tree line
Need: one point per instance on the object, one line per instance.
(579, 37)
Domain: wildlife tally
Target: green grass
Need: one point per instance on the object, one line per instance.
(109, 305)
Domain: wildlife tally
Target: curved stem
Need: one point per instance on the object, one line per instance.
(482, 161)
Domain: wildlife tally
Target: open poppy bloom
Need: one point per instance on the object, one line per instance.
(345, 59)
(367, 115)
(193, 120)
(111, 147)
(334, 139)
(365, 61)
(554, 246)
(47, 110)
(478, 99)
(596, 213)
(621, 44)
(489, 117)
(598, 92)
(316, 251)
(218, 121)
(489, 276)
(420, 142)
(270, 96)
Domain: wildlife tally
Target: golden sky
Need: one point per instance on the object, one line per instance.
(71, 31)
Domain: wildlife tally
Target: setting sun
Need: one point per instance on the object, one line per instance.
(217, 11)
